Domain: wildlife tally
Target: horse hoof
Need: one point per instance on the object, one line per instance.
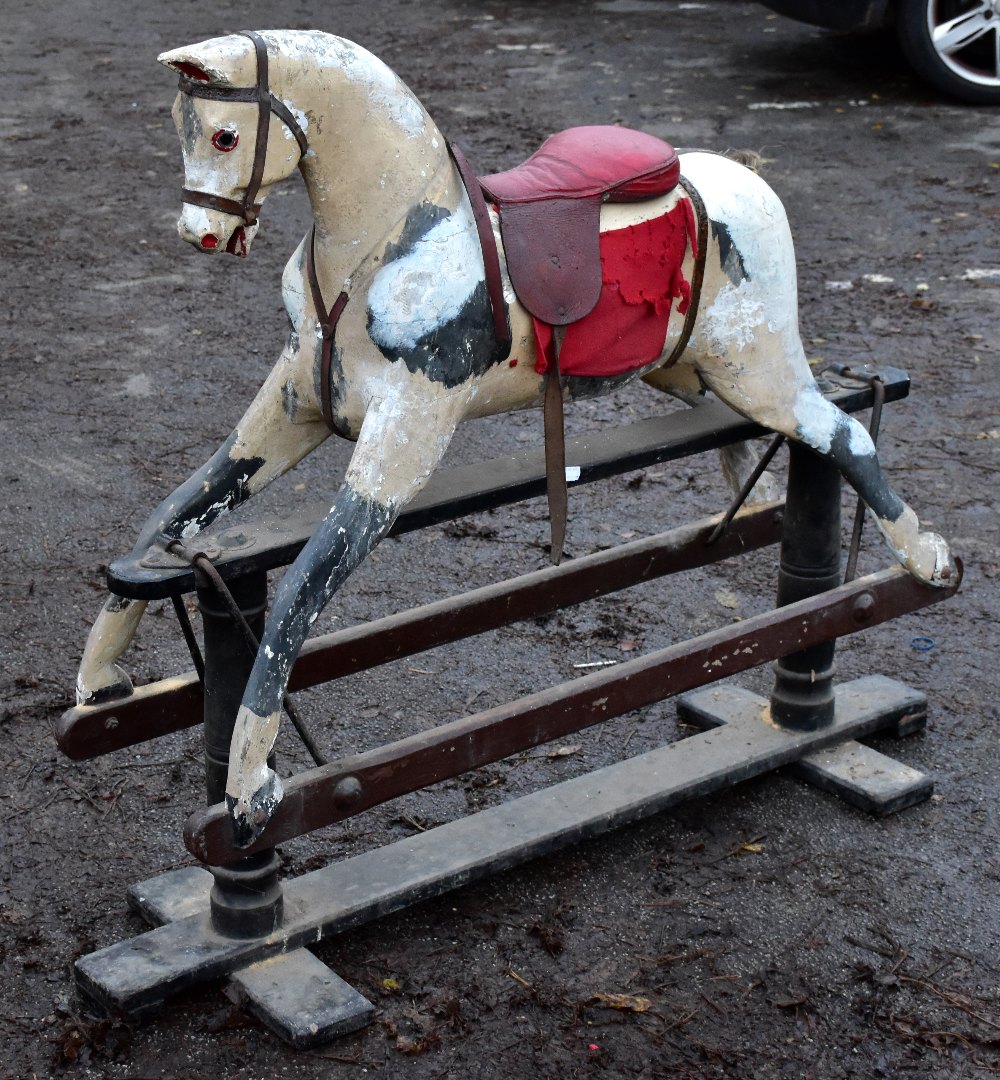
(945, 569)
(251, 815)
(110, 684)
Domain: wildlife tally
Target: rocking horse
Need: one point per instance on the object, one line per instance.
(424, 296)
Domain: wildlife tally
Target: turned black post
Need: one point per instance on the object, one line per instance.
(246, 897)
(803, 698)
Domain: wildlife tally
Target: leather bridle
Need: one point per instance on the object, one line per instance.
(247, 208)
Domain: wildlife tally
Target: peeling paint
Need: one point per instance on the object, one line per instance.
(429, 285)
(386, 92)
(816, 420)
(735, 316)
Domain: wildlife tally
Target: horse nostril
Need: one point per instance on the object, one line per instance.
(209, 241)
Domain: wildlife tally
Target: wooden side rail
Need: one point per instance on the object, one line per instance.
(88, 731)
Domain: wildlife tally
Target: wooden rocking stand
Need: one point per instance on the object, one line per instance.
(235, 920)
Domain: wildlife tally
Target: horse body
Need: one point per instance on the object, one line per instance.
(415, 350)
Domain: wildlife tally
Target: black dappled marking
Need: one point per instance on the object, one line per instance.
(419, 222)
(459, 349)
(730, 257)
(456, 350)
(289, 400)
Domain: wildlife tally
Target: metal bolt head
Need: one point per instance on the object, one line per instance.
(864, 609)
(346, 792)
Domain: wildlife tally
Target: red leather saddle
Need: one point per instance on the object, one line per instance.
(550, 211)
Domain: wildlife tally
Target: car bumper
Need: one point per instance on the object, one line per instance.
(843, 15)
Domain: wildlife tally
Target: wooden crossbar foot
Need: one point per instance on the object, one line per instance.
(293, 994)
(865, 778)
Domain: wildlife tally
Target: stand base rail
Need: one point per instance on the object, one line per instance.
(138, 975)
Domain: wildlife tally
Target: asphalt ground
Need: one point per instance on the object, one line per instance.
(774, 931)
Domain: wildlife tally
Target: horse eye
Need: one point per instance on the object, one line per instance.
(225, 140)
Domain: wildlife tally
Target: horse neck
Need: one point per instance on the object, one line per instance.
(374, 153)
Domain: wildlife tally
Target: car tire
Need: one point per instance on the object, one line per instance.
(970, 71)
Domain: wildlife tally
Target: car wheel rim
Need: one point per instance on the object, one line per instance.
(966, 36)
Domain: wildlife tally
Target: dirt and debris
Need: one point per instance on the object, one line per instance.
(767, 932)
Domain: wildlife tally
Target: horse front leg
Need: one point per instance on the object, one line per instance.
(99, 677)
(277, 431)
(401, 442)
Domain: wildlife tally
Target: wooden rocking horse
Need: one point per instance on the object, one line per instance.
(424, 296)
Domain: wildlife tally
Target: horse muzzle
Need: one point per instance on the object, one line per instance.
(211, 231)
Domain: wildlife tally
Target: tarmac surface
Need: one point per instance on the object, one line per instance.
(771, 931)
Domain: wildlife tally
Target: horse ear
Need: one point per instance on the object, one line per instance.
(191, 71)
(219, 60)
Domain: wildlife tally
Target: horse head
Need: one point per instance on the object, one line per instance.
(233, 152)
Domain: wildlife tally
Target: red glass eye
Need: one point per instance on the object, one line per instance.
(225, 140)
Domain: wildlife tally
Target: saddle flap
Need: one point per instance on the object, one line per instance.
(554, 257)
(618, 164)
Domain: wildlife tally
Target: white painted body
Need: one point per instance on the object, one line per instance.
(374, 154)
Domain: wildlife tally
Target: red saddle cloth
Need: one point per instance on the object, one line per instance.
(612, 291)
(642, 275)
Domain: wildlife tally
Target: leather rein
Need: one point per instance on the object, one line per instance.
(494, 285)
(247, 208)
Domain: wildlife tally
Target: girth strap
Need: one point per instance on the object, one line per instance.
(698, 276)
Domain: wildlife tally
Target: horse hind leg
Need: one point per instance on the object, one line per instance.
(738, 460)
(809, 418)
(924, 554)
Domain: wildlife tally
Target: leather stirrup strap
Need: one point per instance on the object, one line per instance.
(328, 326)
(555, 455)
(555, 439)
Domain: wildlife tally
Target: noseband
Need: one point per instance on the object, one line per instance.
(247, 208)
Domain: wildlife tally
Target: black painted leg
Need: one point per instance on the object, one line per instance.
(803, 694)
(246, 900)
